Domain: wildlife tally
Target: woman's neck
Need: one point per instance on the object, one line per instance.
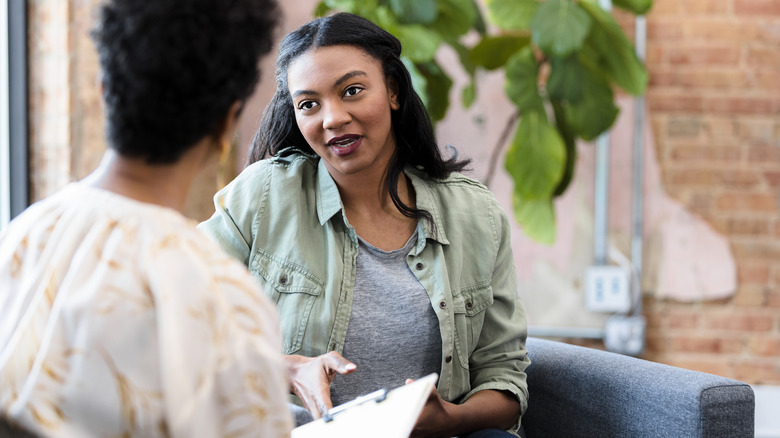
(165, 185)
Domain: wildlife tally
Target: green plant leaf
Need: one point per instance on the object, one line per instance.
(419, 82)
(322, 9)
(479, 20)
(596, 112)
(455, 18)
(419, 43)
(536, 156)
(492, 52)
(512, 14)
(560, 27)
(522, 81)
(469, 94)
(415, 11)
(609, 48)
(638, 7)
(364, 8)
(565, 80)
(437, 89)
(464, 55)
(570, 141)
(536, 216)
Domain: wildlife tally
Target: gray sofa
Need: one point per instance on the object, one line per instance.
(583, 392)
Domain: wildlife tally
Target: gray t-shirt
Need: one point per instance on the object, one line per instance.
(393, 332)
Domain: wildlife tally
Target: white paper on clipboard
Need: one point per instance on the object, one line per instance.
(393, 417)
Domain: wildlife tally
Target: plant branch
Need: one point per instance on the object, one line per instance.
(500, 147)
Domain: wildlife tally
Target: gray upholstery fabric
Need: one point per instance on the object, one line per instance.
(579, 392)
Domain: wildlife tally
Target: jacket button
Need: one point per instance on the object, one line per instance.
(443, 304)
(419, 266)
(469, 305)
(283, 279)
(448, 359)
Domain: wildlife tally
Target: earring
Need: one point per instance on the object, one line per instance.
(223, 166)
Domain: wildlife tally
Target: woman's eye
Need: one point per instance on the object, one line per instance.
(351, 91)
(306, 105)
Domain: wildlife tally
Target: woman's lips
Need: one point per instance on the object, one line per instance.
(345, 145)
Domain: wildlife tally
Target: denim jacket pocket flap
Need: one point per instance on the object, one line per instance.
(286, 277)
(474, 299)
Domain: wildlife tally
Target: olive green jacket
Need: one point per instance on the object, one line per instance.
(283, 218)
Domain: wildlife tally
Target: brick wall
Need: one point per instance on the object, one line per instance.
(714, 103)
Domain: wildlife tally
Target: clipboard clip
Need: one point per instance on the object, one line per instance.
(376, 396)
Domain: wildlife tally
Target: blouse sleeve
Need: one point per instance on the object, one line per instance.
(221, 368)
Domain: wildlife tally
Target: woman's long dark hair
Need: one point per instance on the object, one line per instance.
(415, 140)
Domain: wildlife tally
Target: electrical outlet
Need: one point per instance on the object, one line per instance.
(606, 289)
(625, 334)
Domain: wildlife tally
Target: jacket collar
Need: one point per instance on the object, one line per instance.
(329, 201)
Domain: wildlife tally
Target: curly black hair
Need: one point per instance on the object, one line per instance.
(171, 69)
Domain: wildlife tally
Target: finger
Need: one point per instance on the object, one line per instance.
(333, 361)
(408, 381)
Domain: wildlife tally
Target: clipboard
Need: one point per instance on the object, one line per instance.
(384, 414)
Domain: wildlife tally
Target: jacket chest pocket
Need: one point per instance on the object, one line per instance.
(470, 307)
(294, 290)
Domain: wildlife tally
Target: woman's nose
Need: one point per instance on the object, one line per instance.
(335, 116)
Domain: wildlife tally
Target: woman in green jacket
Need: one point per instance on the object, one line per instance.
(385, 263)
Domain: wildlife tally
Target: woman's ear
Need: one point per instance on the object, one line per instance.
(227, 129)
(392, 93)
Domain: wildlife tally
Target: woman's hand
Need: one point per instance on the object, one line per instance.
(436, 418)
(488, 409)
(310, 379)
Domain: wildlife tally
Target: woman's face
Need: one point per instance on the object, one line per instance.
(343, 106)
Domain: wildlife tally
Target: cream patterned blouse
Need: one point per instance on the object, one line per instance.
(119, 318)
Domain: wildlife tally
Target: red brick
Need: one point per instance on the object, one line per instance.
(706, 344)
(710, 364)
(743, 226)
(761, 8)
(750, 295)
(753, 251)
(742, 105)
(706, 154)
(683, 127)
(699, 79)
(758, 372)
(764, 155)
(664, 30)
(720, 30)
(703, 7)
(683, 318)
(765, 346)
(740, 322)
(665, 7)
(733, 179)
(704, 55)
(773, 179)
(674, 102)
(754, 202)
(753, 273)
(763, 57)
(773, 299)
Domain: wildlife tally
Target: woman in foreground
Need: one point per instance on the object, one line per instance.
(117, 316)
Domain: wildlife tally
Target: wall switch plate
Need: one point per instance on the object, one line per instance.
(625, 334)
(606, 289)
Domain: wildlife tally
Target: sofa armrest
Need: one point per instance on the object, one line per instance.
(577, 391)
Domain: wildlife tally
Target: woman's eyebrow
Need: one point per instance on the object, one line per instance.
(349, 75)
(338, 82)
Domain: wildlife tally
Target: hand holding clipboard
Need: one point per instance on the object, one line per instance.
(384, 414)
